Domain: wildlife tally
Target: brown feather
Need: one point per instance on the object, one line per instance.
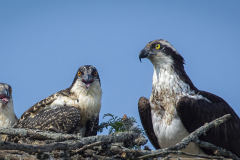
(92, 127)
(59, 119)
(144, 110)
(38, 107)
(195, 113)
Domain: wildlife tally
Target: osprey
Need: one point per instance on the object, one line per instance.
(176, 107)
(7, 114)
(73, 110)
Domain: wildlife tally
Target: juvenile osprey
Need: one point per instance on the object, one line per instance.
(7, 114)
(73, 110)
(177, 108)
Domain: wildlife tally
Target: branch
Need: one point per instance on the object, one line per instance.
(104, 146)
(37, 134)
(190, 138)
(16, 155)
(164, 153)
(125, 137)
(220, 151)
(198, 132)
(81, 150)
(134, 154)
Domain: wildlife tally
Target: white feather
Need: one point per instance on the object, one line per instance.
(7, 114)
(89, 101)
(168, 88)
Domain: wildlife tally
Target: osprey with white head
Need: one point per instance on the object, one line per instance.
(176, 107)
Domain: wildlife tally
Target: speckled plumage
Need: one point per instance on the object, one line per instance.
(59, 119)
(68, 110)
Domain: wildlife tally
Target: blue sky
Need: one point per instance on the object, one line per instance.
(43, 43)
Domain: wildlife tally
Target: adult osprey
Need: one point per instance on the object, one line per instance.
(73, 110)
(177, 108)
(7, 114)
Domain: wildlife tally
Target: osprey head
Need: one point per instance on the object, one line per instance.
(87, 76)
(164, 56)
(5, 94)
(161, 52)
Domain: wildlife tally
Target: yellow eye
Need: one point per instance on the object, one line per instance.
(157, 46)
(95, 73)
(10, 90)
(79, 73)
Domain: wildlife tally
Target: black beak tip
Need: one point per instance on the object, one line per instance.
(143, 54)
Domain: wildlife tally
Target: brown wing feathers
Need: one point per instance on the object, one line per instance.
(92, 127)
(146, 119)
(195, 113)
(63, 119)
(39, 106)
(59, 119)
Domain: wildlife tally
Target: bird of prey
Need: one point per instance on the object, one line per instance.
(7, 114)
(176, 107)
(73, 110)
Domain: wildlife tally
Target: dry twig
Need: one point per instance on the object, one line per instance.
(105, 146)
(191, 138)
(37, 134)
(72, 144)
(219, 150)
(81, 150)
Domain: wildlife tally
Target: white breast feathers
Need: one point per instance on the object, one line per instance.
(89, 100)
(7, 115)
(168, 88)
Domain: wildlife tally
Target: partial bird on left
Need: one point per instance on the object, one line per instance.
(72, 110)
(7, 114)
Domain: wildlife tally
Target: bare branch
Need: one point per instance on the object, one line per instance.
(79, 151)
(15, 155)
(220, 151)
(37, 134)
(190, 138)
(125, 137)
(59, 145)
(198, 132)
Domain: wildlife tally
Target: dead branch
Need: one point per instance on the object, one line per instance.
(134, 154)
(15, 155)
(190, 155)
(37, 134)
(79, 151)
(126, 137)
(218, 150)
(112, 146)
(191, 138)
(198, 132)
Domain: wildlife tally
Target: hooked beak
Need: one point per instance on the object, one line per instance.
(143, 54)
(4, 96)
(88, 80)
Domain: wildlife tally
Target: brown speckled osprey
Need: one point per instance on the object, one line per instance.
(73, 110)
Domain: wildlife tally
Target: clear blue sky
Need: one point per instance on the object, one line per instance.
(43, 43)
